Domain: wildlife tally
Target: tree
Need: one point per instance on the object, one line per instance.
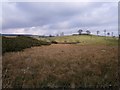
(80, 31)
(105, 32)
(62, 34)
(108, 33)
(50, 35)
(112, 34)
(57, 34)
(88, 32)
(98, 32)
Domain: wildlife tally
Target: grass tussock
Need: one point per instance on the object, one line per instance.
(59, 65)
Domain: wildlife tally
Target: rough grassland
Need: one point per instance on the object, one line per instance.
(87, 40)
(62, 65)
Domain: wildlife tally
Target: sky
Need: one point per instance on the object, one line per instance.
(45, 18)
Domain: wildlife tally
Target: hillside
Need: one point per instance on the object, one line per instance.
(19, 43)
(87, 64)
(84, 39)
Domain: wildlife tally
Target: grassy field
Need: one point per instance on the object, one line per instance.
(93, 62)
(87, 39)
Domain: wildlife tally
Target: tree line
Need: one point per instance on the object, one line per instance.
(88, 32)
(97, 32)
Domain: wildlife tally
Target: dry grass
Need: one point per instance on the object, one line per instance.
(61, 65)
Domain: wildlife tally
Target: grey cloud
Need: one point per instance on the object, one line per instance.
(56, 17)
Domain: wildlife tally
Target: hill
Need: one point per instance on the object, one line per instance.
(87, 64)
(84, 39)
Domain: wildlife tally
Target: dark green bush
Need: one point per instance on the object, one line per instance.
(19, 43)
(54, 42)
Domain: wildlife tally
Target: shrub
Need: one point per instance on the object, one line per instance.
(54, 42)
(19, 43)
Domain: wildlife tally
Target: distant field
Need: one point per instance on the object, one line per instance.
(93, 62)
(87, 39)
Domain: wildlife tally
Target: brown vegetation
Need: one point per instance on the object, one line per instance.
(61, 65)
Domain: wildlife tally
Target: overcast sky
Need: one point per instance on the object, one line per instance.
(44, 18)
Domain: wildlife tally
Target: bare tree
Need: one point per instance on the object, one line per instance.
(98, 33)
(105, 32)
(62, 34)
(112, 34)
(57, 34)
(80, 31)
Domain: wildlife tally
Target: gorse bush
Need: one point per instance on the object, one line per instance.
(19, 43)
(54, 42)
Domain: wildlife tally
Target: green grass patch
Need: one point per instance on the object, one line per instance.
(87, 39)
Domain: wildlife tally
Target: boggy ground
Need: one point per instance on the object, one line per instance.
(61, 65)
